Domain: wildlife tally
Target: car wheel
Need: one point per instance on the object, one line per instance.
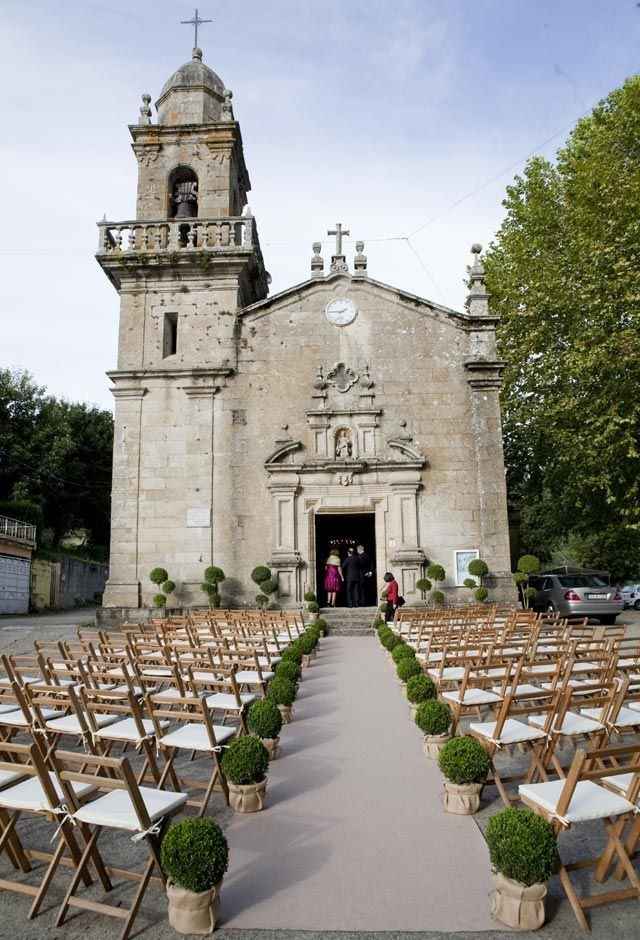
(551, 610)
(636, 605)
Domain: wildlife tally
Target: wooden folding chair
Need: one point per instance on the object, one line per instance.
(30, 788)
(123, 805)
(586, 795)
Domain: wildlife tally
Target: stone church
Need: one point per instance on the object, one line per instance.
(255, 429)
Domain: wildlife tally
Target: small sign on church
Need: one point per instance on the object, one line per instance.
(199, 517)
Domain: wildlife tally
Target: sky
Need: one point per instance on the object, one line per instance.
(398, 119)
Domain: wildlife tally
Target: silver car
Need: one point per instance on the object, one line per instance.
(631, 596)
(582, 594)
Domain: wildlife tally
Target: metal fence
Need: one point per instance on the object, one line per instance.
(19, 531)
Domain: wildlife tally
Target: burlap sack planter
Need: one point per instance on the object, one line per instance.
(273, 746)
(462, 799)
(306, 661)
(433, 744)
(287, 713)
(191, 912)
(517, 905)
(248, 797)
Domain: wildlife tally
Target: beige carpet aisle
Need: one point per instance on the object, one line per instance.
(354, 837)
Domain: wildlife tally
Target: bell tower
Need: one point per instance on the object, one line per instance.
(184, 268)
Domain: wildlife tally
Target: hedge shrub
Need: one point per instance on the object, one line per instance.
(420, 689)
(522, 846)
(281, 691)
(391, 641)
(288, 669)
(433, 717)
(245, 760)
(407, 668)
(464, 760)
(402, 651)
(195, 854)
(264, 719)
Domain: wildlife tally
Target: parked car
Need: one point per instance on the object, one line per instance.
(631, 596)
(582, 594)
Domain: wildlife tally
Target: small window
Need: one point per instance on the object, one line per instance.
(170, 337)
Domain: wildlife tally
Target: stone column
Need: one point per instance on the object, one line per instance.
(285, 557)
(406, 555)
(123, 587)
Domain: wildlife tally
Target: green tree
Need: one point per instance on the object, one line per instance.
(564, 275)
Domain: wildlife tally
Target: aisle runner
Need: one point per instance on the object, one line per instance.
(355, 837)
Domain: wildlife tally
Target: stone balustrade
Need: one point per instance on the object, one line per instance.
(177, 235)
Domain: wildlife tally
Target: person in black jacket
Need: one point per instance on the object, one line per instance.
(351, 572)
(365, 573)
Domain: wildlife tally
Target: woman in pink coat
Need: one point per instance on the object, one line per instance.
(333, 578)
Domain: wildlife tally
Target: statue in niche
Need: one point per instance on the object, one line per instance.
(185, 199)
(344, 444)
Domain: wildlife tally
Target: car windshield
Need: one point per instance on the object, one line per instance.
(583, 581)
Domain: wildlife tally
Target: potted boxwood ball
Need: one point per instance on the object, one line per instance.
(391, 641)
(465, 765)
(524, 855)
(307, 646)
(245, 764)
(420, 689)
(402, 651)
(293, 652)
(194, 856)
(408, 667)
(282, 692)
(321, 624)
(265, 721)
(289, 669)
(434, 720)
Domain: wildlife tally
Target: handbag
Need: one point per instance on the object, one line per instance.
(401, 601)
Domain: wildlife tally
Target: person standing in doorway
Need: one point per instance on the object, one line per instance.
(333, 578)
(351, 573)
(365, 573)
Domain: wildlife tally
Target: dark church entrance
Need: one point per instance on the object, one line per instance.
(337, 533)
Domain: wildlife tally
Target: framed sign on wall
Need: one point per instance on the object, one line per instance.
(462, 559)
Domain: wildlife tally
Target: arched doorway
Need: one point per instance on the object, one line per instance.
(338, 532)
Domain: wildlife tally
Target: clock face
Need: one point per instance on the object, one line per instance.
(341, 311)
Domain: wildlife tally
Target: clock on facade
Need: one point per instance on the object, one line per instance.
(341, 311)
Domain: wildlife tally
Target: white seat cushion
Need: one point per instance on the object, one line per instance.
(589, 800)
(206, 676)
(627, 717)
(153, 672)
(70, 724)
(126, 730)
(249, 677)
(227, 702)
(115, 809)
(29, 794)
(22, 680)
(473, 697)
(449, 673)
(524, 689)
(513, 732)
(634, 706)
(573, 723)
(7, 777)
(620, 782)
(17, 719)
(194, 737)
(8, 708)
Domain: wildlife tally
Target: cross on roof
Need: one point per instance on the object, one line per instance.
(195, 22)
(340, 234)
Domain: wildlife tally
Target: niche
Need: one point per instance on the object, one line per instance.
(183, 193)
(170, 335)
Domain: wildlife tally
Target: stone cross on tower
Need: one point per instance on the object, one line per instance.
(195, 22)
(338, 261)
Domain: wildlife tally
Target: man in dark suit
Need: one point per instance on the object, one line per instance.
(351, 572)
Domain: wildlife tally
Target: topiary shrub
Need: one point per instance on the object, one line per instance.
(481, 594)
(307, 644)
(270, 586)
(470, 583)
(293, 654)
(260, 574)
(262, 600)
(313, 607)
(245, 760)
(433, 717)
(407, 668)
(402, 651)
(168, 587)
(288, 669)
(436, 572)
(464, 760)
(209, 587)
(195, 854)
(159, 576)
(159, 600)
(438, 598)
(478, 568)
(391, 641)
(320, 623)
(310, 596)
(281, 691)
(214, 574)
(423, 584)
(420, 689)
(264, 719)
(522, 846)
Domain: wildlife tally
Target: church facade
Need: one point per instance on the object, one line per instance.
(253, 429)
